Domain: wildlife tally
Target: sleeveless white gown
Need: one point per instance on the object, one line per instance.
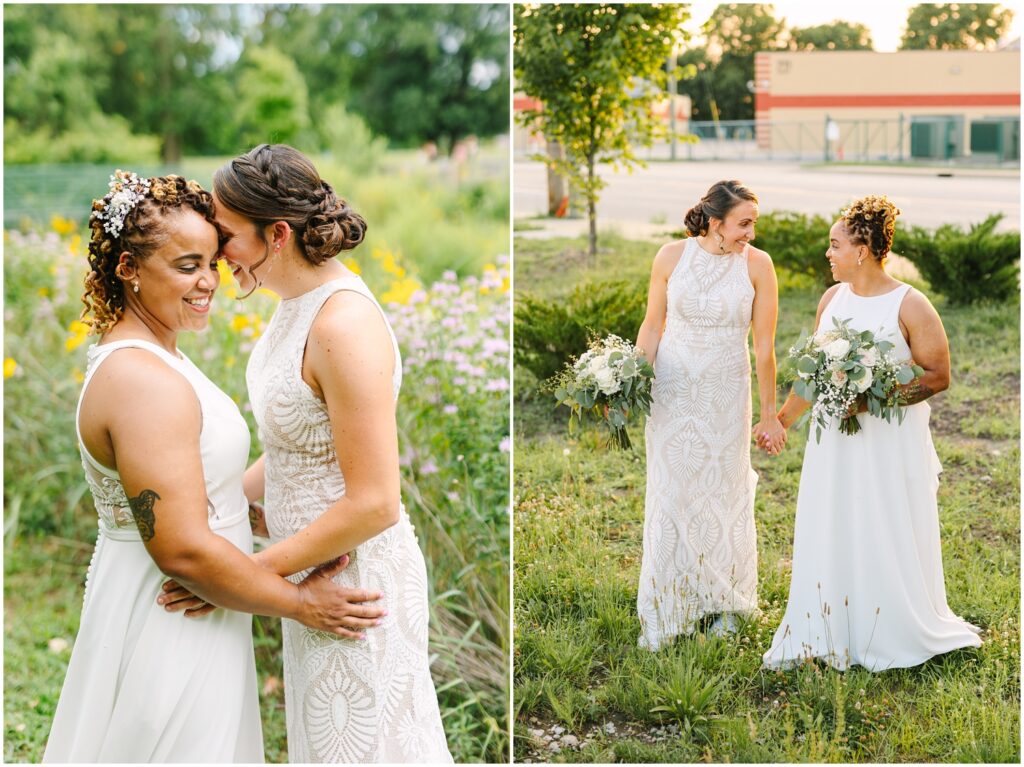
(346, 701)
(700, 546)
(867, 586)
(143, 684)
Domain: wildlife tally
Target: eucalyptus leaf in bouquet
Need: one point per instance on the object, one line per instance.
(838, 368)
(609, 383)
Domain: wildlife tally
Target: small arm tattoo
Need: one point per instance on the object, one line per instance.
(142, 509)
(915, 392)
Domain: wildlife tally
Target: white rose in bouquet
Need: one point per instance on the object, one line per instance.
(839, 377)
(821, 339)
(869, 357)
(606, 380)
(837, 349)
(861, 379)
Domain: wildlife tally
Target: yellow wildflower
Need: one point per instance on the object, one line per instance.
(238, 322)
(506, 283)
(490, 268)
(10, 367)
(352, 265)
(62, 226)
(75, 246)
(400, 291)
(224, 269)
(43, 291)
(79, 332)
(78, 376)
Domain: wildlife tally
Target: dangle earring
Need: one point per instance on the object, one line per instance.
(721, 242)
(135, 286)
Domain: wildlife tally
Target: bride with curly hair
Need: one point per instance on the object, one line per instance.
(867, 586)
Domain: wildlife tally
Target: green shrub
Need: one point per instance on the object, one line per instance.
(966, 267)
(549, 333)
(797, 242)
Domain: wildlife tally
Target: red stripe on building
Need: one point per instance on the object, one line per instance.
(519, 103)
(766, 101)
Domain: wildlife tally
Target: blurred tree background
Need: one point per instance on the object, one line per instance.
(142, 83)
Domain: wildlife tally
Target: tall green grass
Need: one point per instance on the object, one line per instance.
(578, 532)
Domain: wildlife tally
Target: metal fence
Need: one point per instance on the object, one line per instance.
(904, 139)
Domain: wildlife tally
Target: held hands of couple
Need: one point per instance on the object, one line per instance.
(770, 435)
(325, 606)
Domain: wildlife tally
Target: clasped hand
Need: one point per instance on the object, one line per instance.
(770, 435)
(326, 606)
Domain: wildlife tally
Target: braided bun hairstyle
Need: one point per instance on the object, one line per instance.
(871, 221)
(143, 230)
(716, 203)
(275, 182)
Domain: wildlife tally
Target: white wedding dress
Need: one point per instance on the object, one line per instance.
(144, 684)
(867, 585)
(700, 546)
(347, 701)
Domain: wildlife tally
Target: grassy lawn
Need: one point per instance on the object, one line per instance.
(585, 693)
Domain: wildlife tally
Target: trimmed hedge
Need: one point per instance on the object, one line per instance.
(969, 267)
(548, 333)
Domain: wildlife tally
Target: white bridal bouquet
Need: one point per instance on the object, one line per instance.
(837, 367)
(610, 381)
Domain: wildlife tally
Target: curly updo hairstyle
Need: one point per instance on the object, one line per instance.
(716, 203)
(871, 221)
(144, 229)
(275, 182)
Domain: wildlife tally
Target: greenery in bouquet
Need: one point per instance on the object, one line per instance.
(841, 368)
(610, 382)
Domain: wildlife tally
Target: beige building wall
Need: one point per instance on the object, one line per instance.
(874, 98)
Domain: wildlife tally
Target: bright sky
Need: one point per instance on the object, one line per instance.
(886, 20)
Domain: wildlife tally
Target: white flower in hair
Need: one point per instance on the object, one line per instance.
(127, 190)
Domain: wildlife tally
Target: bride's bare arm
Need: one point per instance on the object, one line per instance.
(929, 347)
(794, 406)
(349, 362)
(153, 440)
(653, 325)
(768, 431)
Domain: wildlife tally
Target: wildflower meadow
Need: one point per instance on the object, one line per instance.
(452, 322)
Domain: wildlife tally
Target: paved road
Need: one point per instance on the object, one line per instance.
(657, 197)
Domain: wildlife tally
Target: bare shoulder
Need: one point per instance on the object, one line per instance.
(135, 383)
(916, 308)
(826, 297)
(667, 257)
(348, 335)
(347, 317)
(759, 262)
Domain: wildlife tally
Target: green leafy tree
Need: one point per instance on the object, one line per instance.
(836, 36)
(971, 26)
(160, 69)
(415, 73)
(595, 69)
(272, 103)
(735, 32)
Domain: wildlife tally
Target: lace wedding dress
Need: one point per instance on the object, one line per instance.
(700, 549)
(347, 701)
(867, 585)
(143, 684)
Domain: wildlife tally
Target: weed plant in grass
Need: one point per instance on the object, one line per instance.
(453, 437)
(578, 538)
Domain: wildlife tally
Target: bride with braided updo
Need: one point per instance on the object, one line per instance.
(867, 586)
(164, 451)
(323, 381)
